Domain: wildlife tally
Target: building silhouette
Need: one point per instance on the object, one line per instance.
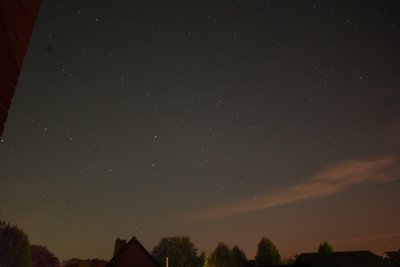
(341, 259)
(131, 254)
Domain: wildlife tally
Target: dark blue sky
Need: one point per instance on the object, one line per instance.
(222, 121)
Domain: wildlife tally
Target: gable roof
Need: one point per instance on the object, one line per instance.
(340, 259)
(132, 254)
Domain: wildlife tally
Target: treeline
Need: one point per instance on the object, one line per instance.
(181, 252)
(15, 251)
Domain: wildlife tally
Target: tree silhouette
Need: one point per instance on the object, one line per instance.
(180, 252)
(267, 253)
(14, 247)
(223, 256)
(42, 257)
(74, 262)
(239, 257)
(325, 247)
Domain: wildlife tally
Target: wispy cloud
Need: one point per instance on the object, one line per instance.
(329, 180)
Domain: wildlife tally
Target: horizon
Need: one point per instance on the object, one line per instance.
(207, 253)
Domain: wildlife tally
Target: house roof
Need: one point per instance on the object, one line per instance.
(17, 18)
(393, 255)
(134, 254)
(340, 259)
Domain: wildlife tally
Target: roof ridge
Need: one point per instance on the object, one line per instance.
(133, 240)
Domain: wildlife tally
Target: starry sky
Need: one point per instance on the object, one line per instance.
(220, 120)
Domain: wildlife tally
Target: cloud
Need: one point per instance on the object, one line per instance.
(329, 180)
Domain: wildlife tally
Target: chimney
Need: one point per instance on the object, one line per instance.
(119, 244)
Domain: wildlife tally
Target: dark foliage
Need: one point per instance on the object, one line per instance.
(42, 257)
(325, 247)
(267, 253)
(14, 247)
(222, 256)
(239, 257)
(74, 262)
(180, 251)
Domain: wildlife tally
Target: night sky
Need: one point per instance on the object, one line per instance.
(220, 120)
